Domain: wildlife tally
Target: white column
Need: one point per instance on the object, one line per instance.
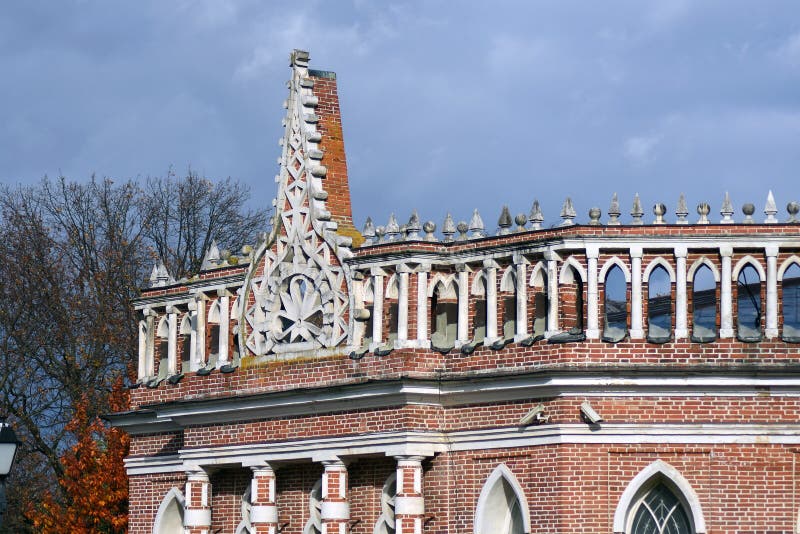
(264, 510)
(172, 340)
(463, 303)
(142, 367)
(199, 326)
(224, 326)
(552, 292)
(771, 330)
(490, 271)
(335, 506)
(192, 306)
(409, 502)
(422, 305)
(637, 331)
(197, 513)
(726, 299)
(402, 303)
(592, 308)
(150, 349)
(522, 297)
(681, 310)
(377, 307)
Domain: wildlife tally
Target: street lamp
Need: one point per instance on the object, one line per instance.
(8, 450)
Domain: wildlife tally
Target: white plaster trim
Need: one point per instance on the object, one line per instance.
(409, 505)
(748, 260)
(783, 268)
(501, 471)
(508, 283)
(264, 513)
(335, 510)
(571, 262)
(477, 287)
(658, 468)
(448, 283)
(696, 265)
(391, 288)
(197, 517)
(659, 262)
(162, 331)
(538, 275)
(611, 263)
(172, 494)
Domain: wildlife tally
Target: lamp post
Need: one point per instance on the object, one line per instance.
(8, 450)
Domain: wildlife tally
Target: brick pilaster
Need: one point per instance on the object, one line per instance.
(335, 506)
(264, 510)
(409, 503)
(197, 515)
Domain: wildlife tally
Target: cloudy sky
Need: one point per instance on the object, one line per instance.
(447, 106)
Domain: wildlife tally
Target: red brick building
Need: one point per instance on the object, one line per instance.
(602, 377)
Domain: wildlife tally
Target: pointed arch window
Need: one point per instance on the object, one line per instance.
(386, 521)
(314, 523)
(659, 511)
(572, 300)
(169, 518)
(213, 332)
(502, 507)
(508, 289)
(392, 309)
(186, 345)
(659, 305)
(479, 317)
(748, 304)
(615, 326)
(540, 301)
(369, 305)
(163, 347)
(704, 305)
(444, 319)
(790, 283)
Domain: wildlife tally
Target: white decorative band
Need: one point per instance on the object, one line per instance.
(264, 513)
(409, 505)
(197, 517)
(335, 510)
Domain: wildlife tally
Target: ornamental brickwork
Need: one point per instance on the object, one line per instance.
(624, 375)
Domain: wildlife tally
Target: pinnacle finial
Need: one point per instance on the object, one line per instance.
(392, 229)
(703, 209)
(681, 210)
(368, 232)
(613, 211)
(504, 222)
(211, 258)
(462, 228)
(476, 225)
(154, 275)
(770, 209)
(535, 217)
(448, 228)
(594, 216)
(637, 212)
(429, 227)
(792, 208)
(567, 213)
(413, 227)
(748, 209)
(659, 210)
(521, 219)
(727, 210)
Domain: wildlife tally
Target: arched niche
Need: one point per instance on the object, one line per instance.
(169, 518)
(502, 506)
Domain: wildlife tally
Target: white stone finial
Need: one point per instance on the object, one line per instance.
(504, 222)
(154, 275)
(448, 228)
(613, 211)
(535, 217)
(682, 211)
(211, 259)
(637, 212)
(727, 210)
(413, 227)
(392, 228)
(368, 232)
(476, 225)
(567, 213)
(770, 209)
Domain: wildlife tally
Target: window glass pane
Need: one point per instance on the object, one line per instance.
(704, 302)
(660, 512)
(616, 305)
(659, 303)
(791, 301)
(748, 301)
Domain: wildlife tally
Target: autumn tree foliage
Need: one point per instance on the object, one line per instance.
(72, 256)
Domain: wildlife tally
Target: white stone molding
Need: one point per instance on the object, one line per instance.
(199, 356)
(508, 282)
(490, 269)
(522, 301)
(386, 521)
(463, 304)
(637, 329)
(592, 294)
(653, 473)
(699, 263)
(552, 293)
(681, 302)
(172, 340)
(335, 510)
(163, 327)
(725, 294)
(742, 263)
(409, 503)
(478, 287)
(489, 520)
(263, 510)
(447, 283)
(402, 303)
(659, 261)
(611, 262)
(142, 371)
(197, 514)
(377, 308)
(538, 275)
(771, 326)
(565, 276)
(169, 517)
(793, 259)
(223, 299)
(314, 523)
(422, 304)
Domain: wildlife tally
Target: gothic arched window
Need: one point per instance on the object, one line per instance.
(508, 289)
(615, 326)
(704, 305)
(660, 512)
(790, 284)
(169, 518)
(479, 318)
(444, 310)
(540, 304)
(748, 303)
(659, 305)
(502, 507)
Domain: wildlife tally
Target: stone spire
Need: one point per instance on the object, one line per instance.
(535, 217)
(392, 229)
(504, 222)
(567, 213)
(770, 209)
(613, 211)
(681, 210)
(368, 232)
(448, 228)
(413, 227)
(727, 210)
(637, 212)
(211, 259)
(476, 225)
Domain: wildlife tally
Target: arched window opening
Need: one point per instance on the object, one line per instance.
(186, 348)
(659, 511)
(704, 305)
(212, 348)
(571, 293)
(314, 523)
(444, 319)
(502, 508)
(392, 310)
(659, 306)
(790, 284)
(163, 347)
(540, 305)
(615, 288)
(386, 521)
(508, 288)
(748, 304)
(169, 518)
(368, 324)
(479, 316)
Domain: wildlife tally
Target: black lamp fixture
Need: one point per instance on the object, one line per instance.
(8, 451)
